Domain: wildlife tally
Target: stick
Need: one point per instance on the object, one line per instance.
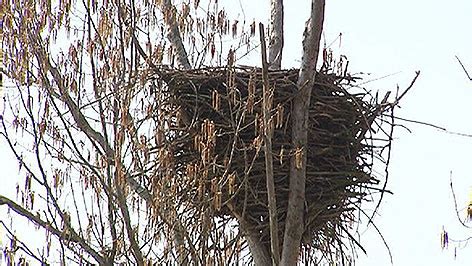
(463, 67)
(274, 236)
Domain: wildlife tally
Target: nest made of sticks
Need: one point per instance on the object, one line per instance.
(213, 140)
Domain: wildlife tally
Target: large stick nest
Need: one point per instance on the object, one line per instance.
(213, 147)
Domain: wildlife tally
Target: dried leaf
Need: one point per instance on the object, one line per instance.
(234, 29)
(253, 28)
(215, 100)
(281, 155)
(299, 158)
(444, 239)
(230, 59)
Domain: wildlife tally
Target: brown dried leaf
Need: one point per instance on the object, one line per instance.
(299, 158)
(234, 29)
(281, 155)
(215, 100)
(253, 28)
(231, 183)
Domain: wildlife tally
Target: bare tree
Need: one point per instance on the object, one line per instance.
(81, 109)
(99, 150)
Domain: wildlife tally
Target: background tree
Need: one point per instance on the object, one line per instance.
(91, 144)
(87, 178)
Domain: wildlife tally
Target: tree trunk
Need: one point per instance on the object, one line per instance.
(169, 13)
(276, 42)
(259, 253)
(294, 225)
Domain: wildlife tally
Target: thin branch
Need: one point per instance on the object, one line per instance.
(455, 202)
(274, 231)
(387, 173)
(68, 233)
(463, 67)
(468, 135)
(169, 13)
(381, 236)
(417, 74)
(24, 246)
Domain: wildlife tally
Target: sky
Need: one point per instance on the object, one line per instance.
(395, 39)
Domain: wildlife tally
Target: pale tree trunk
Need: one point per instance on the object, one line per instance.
(276, 42)
(294, 226)
(173, 34)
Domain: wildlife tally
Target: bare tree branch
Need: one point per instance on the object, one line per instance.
(267, 105)
(463, 67)
(295, 211)
(174, 36)
(68, 233)
(82, 123)
(276, 42)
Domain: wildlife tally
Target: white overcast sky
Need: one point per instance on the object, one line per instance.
(395, 37)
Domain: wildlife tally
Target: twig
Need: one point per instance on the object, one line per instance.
(381, 236)
(463, 67)
(409, 87)
(23, 246)
(435, 126)
(455, 202)
(68, 233)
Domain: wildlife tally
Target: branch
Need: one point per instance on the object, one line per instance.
(274, 231)
(134, 246)
(311, 43)
(85, 127)
(23, 246)
(294, 225)
(455, 202)
(67, 234)
(417, 74)
(276, 42)
(78, 116)
(258, 252)
(169, 13)
(463, 67)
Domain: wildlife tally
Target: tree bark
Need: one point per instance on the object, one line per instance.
(260, 254)
(173, 34)
(294, 225)
(271, 199)
(276, 42)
